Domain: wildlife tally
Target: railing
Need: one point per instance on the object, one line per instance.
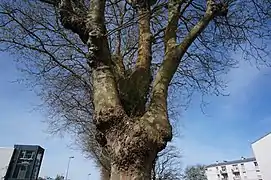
(235, 170)
(27, 159)
(223, 171)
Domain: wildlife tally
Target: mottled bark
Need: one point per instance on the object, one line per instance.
(175, 52)
(132, 142)
(144, 45)
(104, 173)
(105, 95)
(139, 174)
(134, 99)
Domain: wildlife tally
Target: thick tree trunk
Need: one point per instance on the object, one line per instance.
(135, 174)
(133, 143)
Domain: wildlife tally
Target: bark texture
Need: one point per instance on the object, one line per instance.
(104, 174)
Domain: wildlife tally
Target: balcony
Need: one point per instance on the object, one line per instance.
(235, 170)
(24, 163)
(26, 158)
(223, 171)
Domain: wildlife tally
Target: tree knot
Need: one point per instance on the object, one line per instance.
(217, 9)
(109, 118)
(137, 142)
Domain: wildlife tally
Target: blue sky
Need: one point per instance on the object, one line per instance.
(224, 132)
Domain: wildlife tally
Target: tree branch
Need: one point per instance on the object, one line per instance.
(73, 21)
(144, 45)
(174, 55)
(72, 16)
(51, 2)
(105, 93)
(174, 7)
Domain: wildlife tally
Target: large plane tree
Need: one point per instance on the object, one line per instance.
(107, 67)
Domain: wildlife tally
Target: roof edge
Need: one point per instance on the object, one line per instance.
(232, 162)
(261, 138)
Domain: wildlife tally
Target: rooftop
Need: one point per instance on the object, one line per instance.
(6, 148)
(232, 162)
(260, 138)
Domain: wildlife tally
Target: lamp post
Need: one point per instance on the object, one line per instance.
(89, 176)
(67, 172)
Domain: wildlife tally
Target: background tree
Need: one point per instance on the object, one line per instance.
(58, 177)
(168, 164)
(108, 67)
(196, 172)
(41, 178)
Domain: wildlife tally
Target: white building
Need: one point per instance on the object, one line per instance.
(5, 157)
(262, 152)
(243, 169)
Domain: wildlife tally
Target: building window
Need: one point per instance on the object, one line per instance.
(223, 168)
(255, 163)
(225, 176)
(29, 155)
(235, 167)
(257, 170)
(22, 154)
(237, 176)
(23, 168)
(22, 172)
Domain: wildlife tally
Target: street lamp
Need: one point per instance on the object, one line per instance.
(89, 175)
(67, 172)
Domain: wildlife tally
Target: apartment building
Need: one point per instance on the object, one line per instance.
(5, 157)
(243, 169)
(261, 149)
(21, 162)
